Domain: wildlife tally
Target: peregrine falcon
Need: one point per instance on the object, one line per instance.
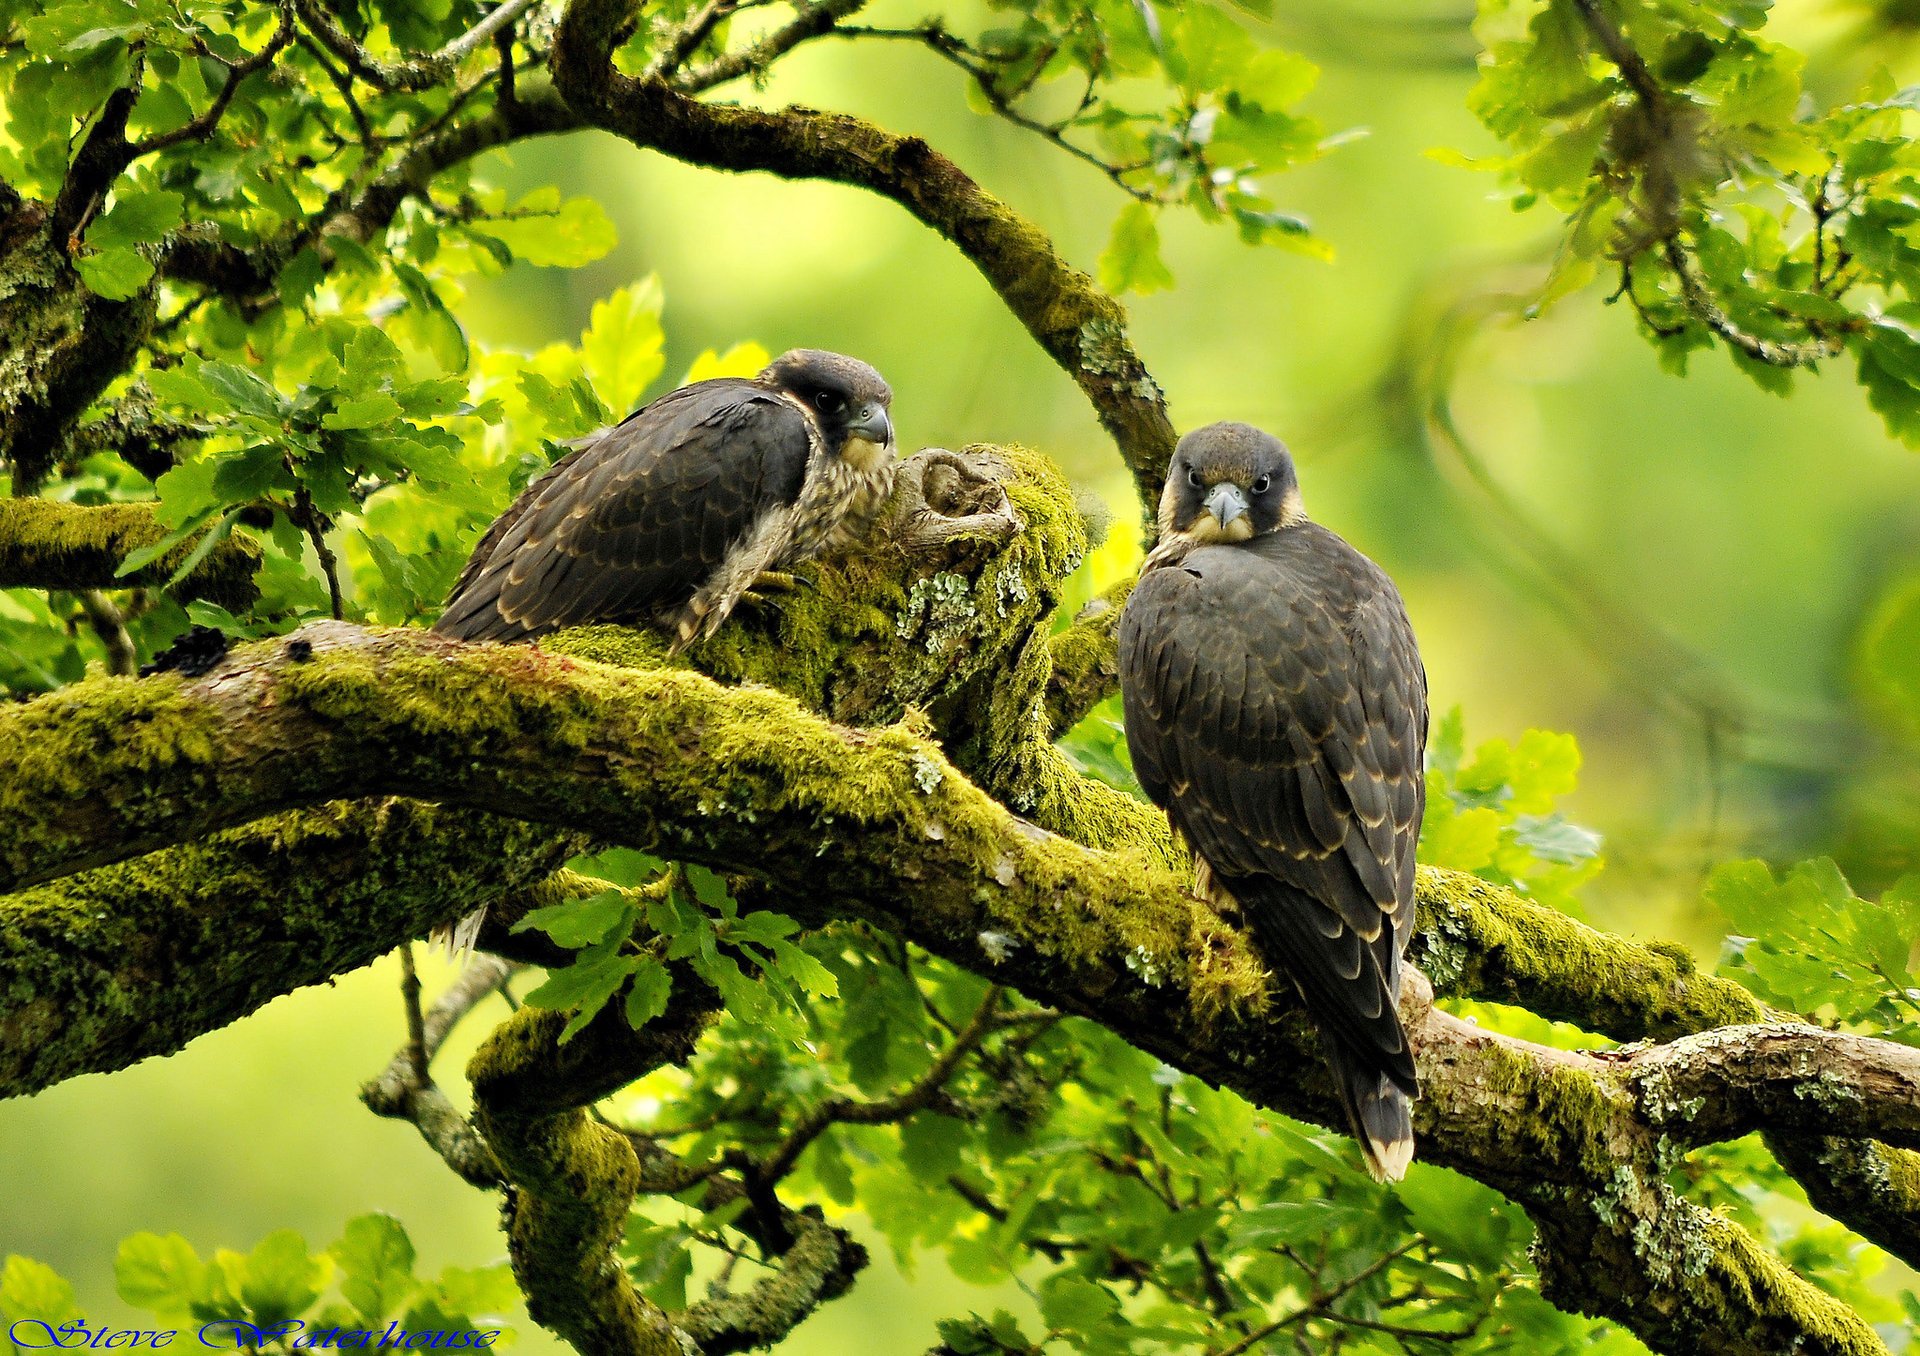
(672, 515)
(1276, 708)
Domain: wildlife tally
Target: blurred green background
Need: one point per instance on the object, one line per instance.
(1678, 571)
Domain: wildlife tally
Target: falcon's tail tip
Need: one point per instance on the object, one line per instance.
(461, 938)
(1387, 1160)
(1381, 1114)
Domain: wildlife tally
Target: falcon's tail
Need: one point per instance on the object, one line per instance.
(1380, 1113)
(461, 937)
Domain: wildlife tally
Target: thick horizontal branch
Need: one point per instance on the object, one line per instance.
(103, 969)
(49, 545)
(1477, 940)
(1075, 322)
(668, 761)
(1783, 1076)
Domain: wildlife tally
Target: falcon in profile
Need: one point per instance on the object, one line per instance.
(1276, 708)
(672, 515)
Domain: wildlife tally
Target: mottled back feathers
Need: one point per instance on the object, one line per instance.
(629, 526)
(1276, 707)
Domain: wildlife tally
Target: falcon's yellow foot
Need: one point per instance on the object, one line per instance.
(772, 586)
(779, 581)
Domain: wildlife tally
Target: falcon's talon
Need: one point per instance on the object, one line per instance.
(779, 581)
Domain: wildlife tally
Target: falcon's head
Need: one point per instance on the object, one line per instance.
(845, 397)
(1229, 482)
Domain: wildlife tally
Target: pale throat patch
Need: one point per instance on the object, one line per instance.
(1207, 531)
(864, 455)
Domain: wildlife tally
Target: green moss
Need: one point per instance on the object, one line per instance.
(1475, 938)
(52, 545)
(107, 967)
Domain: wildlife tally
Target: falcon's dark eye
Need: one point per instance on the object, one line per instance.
(1193, 479)
(829, 403)
(1260, 485)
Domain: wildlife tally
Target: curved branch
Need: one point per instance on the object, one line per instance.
(50, 545)
(636, 758)
(1783, 1076)
(573, 1179)
(1079, 325)
(1477, 940)
(810, 22)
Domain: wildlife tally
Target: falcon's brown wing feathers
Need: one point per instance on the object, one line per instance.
(1275, 704)
(633, 523)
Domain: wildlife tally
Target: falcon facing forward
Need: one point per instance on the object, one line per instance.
(1276, 709)
(670, 516)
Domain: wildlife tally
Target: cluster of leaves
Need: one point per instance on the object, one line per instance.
(1135, 1208)
(1692, 167)
(690, 917)
(1493, 815)
(341, 416)
(362, 1283)
(1807, 943)
(392, 448)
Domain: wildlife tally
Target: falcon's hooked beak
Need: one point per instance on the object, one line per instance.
(1224, 516)
(869, 437)
(1227, 502)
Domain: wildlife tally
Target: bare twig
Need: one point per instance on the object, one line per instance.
(110, 624)
(686, 39)
(1773, 352)
(916, 1097)
(405, 1089)
(237, 72)
(937, 39)
(1318, 1305)
(410, 1000)
(414, 73)
(811, 21)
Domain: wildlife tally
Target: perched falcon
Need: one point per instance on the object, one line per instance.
(670, 516)
(1276, 709)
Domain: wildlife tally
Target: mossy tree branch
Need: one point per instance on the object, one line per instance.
(49, 545)
(648, 758)
(1085, 660)
(572, 1179)
(106, 968)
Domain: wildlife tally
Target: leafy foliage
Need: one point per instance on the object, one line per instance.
(1494, 815)
(1695, 171)
(690, 917)
(1808, 944)
(365, 1281)
(301, 215)
(1137, 1208)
